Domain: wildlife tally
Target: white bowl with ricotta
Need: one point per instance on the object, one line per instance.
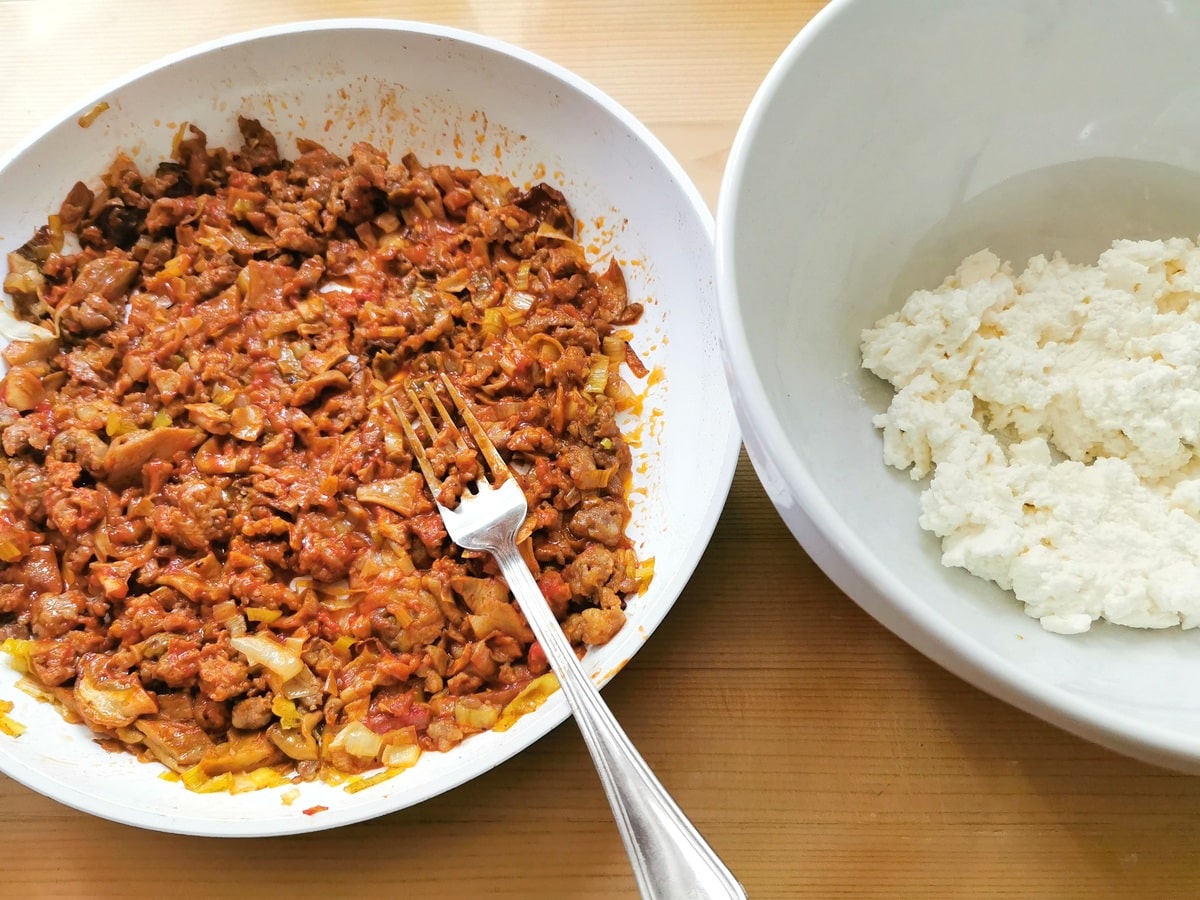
(887, 144)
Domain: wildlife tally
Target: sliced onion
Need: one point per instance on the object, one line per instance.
(358, 740)
(400, 756)
(303, 684)
(475, 714)
(261, 650)
(113, 701)
(401, 494)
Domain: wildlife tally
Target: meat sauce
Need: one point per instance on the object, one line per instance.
(215, 548)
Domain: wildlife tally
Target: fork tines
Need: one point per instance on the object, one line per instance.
(449, 432)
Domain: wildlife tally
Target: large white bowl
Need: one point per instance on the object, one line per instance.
(888, 141)
(457, 98)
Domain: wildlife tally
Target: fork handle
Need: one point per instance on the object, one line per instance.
(670, 858)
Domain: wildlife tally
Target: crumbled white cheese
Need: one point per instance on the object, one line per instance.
(1059, 412)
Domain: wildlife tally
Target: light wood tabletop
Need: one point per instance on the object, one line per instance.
(820, 755)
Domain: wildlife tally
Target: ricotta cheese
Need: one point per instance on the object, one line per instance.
(1057, 412)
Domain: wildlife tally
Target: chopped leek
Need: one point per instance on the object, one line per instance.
(494, 321)
(456, 281)
(614, 348)
(644, 572)
(521, 280)
(475, 714)
(597, 379)
(11, 727)
(119, 423)
(343, 645)
(256, 780)
(520, 300)
(175, 267)
(400, 756)
(362, 783)
(513, 315)
(198, 781)
(285, 709)
(531, 697)
(358, 740)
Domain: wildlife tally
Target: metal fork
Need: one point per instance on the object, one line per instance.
(670, 859)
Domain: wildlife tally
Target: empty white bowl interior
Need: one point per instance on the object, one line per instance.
(461, 100)
(890, 141)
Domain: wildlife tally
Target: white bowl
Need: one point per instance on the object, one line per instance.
(448, 96)
(888, 141)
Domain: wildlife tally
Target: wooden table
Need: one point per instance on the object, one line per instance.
(820, 755)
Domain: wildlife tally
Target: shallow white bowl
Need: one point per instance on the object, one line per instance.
(456, 98)
(888, 141)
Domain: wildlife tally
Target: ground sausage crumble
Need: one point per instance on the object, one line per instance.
(215, 548)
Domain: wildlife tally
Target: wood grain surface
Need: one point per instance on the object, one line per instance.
(820, 755)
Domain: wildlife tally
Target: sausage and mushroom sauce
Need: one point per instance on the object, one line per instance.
(215, 548)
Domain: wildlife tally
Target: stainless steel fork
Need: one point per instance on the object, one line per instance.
(670, 858)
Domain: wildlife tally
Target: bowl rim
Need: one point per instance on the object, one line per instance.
(555, 710)
(841, 554)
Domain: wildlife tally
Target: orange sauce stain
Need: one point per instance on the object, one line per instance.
(607, 676)
(328, 124)
(539, 171)
(86, 120)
